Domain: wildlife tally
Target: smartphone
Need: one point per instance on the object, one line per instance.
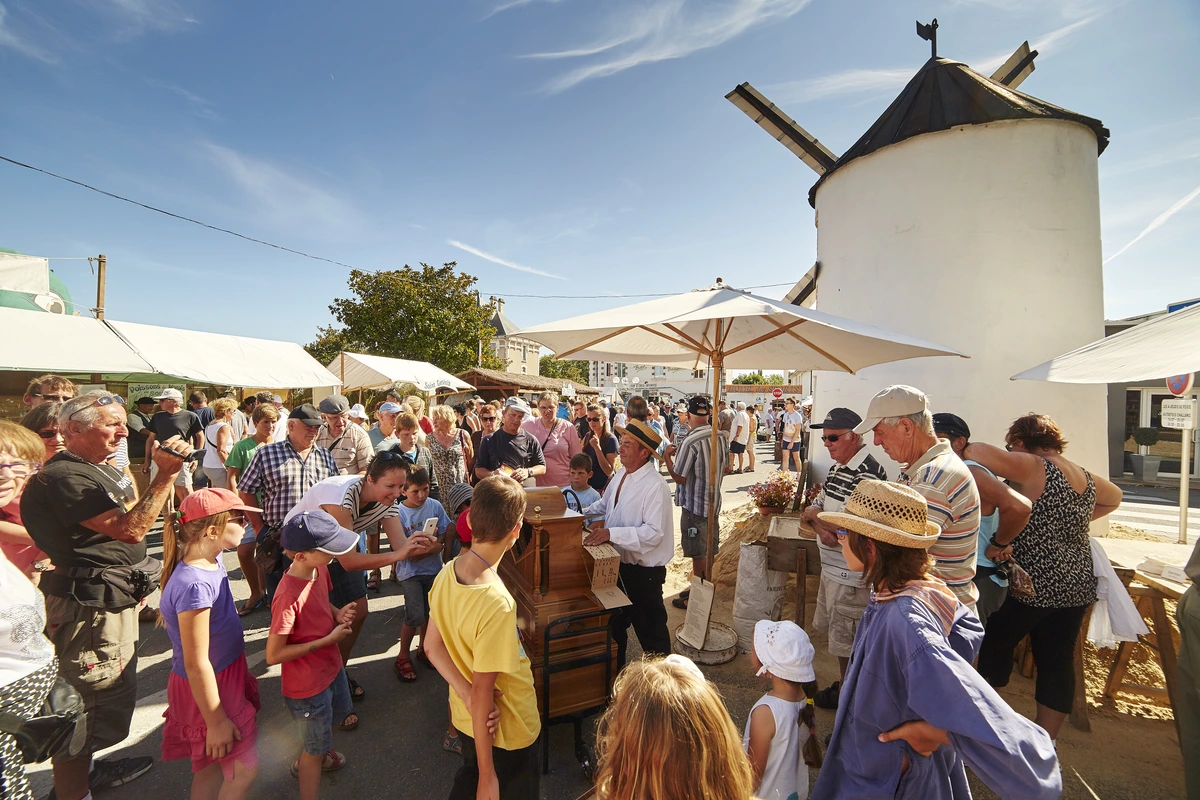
(431, 526)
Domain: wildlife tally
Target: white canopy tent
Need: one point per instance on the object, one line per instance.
(363, 371)
(43, 342)
(1160, 348)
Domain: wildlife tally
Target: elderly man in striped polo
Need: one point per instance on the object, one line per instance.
(903, 427)
(843, 596)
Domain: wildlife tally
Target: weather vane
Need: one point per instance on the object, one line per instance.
(929, 34)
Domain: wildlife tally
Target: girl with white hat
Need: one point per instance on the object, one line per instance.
(781, 723)
(912, 710)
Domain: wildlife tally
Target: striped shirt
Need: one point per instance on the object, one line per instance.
(352, 451)
(949, 489)
(345, 491)
(839, 483)
(693, 460)
(280, 476)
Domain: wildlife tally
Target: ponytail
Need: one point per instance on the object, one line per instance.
(808, 718)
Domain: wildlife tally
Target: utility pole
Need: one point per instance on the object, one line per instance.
(101, 277)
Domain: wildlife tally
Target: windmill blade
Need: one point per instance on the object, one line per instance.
(1017, 68)
(783, 128)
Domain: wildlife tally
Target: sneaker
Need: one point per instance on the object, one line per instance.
(118, 772)
(828, 697)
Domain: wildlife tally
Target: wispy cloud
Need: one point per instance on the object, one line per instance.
(662, 30)
(501, 261)
(199, 106)
(280, 199)
(859, 81)
(22, 44)
(510, 4)
(1158, 222)
(135, 17)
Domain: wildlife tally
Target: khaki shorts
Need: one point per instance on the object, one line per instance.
(839, 610)
(184, 478)
(695, 546)
(97, 654)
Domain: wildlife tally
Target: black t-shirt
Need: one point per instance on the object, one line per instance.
(503, 449)
(67, 491)
(182, 423)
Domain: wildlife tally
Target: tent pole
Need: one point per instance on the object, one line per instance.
(342, 364)
(713, 520)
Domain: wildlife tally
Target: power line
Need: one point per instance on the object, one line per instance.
(303, 254)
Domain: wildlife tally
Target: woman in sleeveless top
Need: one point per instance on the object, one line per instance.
(1055, 550)
(450, 447)
(218, 441)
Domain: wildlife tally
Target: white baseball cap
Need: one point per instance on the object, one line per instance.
(170, 394)
(517, 403)
(894, 401)
(784, 650)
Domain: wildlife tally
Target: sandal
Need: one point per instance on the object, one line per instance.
(680, 602)
(452, 744)
(373, 580)
(424, 659)
(404, 669)
(356, 692)
(248, 609)
(331, 762)
(346, 725)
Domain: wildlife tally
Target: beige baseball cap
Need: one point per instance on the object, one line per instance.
(894, 401)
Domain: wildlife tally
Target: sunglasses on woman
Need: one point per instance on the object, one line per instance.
(595, 419)
(48, 433)
(492, 418)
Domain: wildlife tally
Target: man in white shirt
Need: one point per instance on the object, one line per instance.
(639, 522)
(740, 438)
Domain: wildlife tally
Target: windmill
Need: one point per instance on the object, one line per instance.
(817, 156)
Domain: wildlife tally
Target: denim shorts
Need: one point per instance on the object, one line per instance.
(248, 535)
(416, 599)
(316, 714)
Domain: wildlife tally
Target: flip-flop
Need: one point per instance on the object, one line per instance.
(246, 610)
(331, 762)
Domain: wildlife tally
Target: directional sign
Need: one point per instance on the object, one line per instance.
(1179, 414)
(777, 393)
(1179, 385)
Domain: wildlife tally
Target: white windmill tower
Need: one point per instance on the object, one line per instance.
(967, 214)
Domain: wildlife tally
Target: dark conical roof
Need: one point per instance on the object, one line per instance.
(945, 94)
(503, 325)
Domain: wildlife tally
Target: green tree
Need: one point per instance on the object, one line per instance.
(551, 367)
(426, 314)
(775, 379)
(751, 378)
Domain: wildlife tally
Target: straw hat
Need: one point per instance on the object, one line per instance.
(887, 512)
(646, 436)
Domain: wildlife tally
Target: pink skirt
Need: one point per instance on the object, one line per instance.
(185, 732)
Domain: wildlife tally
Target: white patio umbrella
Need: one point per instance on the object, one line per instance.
(363, 371)
(727, 327)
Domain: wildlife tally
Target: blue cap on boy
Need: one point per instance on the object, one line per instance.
(316, 530)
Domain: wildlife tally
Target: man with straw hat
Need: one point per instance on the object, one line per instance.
(910, 689)
(639, 521)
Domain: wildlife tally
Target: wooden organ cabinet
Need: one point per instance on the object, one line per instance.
(548, 576)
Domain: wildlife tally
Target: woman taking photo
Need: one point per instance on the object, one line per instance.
(450, 447)
(912, 712)
(1055, 550)
(558, 440)
(601, 445)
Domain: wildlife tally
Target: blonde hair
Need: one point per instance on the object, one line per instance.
(668, 734)
(416, 404)
(178, 538)
(223, 406)
(21, 442)
(408, 422)
(444, 412)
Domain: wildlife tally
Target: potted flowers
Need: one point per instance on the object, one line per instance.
(774, 494)
(1145, 466)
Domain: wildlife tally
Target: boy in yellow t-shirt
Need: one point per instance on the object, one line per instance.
(474, 642)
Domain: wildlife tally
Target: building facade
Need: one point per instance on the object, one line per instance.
(521, 356)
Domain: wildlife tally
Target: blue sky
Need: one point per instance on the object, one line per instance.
(578, 147)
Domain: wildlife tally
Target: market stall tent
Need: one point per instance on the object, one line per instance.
(363, 371)
(127, 351)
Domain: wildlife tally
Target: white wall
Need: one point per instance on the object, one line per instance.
(984, 238)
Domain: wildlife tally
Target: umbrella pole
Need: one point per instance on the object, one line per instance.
(713, 459)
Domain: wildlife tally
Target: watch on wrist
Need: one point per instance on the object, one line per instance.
(992, 541)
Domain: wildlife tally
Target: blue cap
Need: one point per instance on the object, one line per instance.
(316, 530)
(391, 408)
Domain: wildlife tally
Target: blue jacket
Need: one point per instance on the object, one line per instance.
(905, 667)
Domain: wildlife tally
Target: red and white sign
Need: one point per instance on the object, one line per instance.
(777, 393)
(1179, 385)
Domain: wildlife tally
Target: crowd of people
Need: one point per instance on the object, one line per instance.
(914, 595)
